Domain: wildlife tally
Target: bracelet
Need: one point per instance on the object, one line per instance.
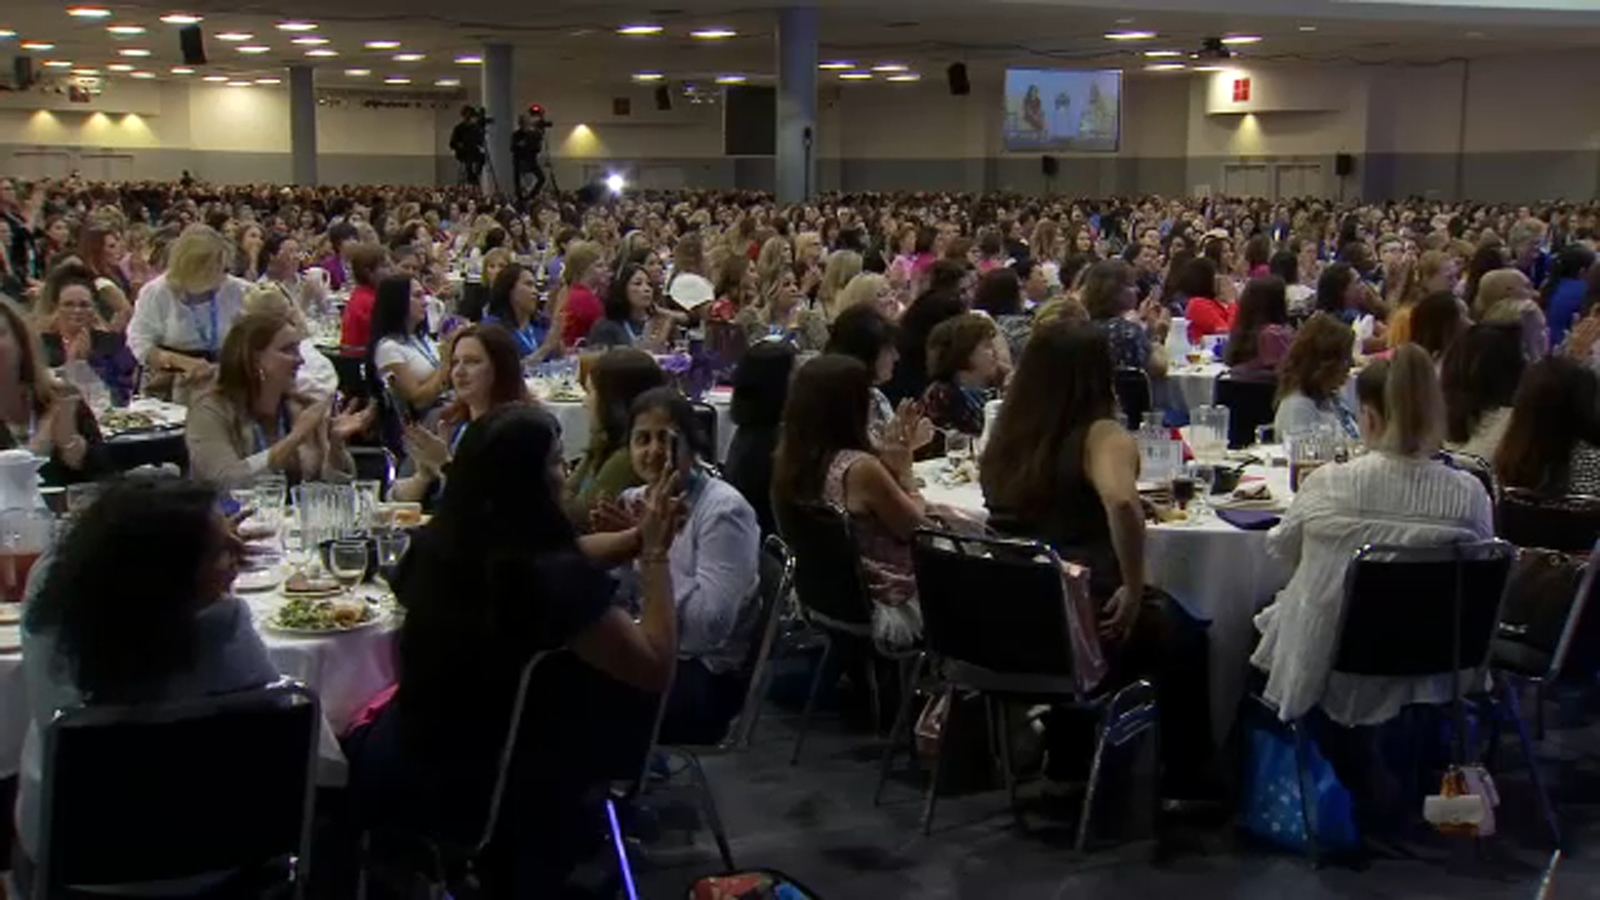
(647, 559)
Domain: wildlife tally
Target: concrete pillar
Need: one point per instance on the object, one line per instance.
(303, 123)
(498, 79)
(797, 105)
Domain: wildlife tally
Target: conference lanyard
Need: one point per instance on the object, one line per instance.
(262, 444)
(211, 338)
(427, 352)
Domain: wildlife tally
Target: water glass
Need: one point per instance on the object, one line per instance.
(957, 448)
(1208, 431)
(348, 561)
(367, 495)
(392, 546)
(1205, 481)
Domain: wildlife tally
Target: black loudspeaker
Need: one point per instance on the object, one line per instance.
(959, 85)
(22, 69)
(1050, 166)
(1344, 165)
(663, 99)
(193, 45)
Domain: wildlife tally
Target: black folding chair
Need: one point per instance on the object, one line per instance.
(1417, 612)
(705, 415)
(148, 448)
(1249, 402)
(995, 620)
(165, 791)
(831, 591)
(374, 464)
(1569, 523)
(351, 365)
(1132, 387)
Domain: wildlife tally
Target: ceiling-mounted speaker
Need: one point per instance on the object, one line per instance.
(22, 69)
(959, 85)
(193, 45)
(1344, 165)
(663, 98)
(1050, 166)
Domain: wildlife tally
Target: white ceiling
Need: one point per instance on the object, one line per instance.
(576, 42)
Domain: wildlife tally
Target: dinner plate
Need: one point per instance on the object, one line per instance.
(254, 580)
(271, 625)
(10, 613)
(10, 638)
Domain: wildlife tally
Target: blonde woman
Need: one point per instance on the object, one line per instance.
(583, 279)
(843, 265)
(866, 289)
(183, 316)
(776, 253)
(781, 312)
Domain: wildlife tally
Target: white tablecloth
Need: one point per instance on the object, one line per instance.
(574, 419)
(346, 670)
(1215, 570)
(1198, 384)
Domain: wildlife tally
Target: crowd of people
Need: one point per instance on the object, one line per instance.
(860, 333)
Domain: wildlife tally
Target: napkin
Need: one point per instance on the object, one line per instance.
(1249, 519)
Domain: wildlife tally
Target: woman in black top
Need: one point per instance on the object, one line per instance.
(497, 577)
(760, 388)
(941, 301)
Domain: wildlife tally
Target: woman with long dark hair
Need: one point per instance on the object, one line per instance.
(760, 389)
(514, 306)
(611, 384)
(1261, 334)
(401, 352)
(631, 319)
(1552, 443)
(941, 301)
(100, 250)
(1479, 377)
(1309, 382)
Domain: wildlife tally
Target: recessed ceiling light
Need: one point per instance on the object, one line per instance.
(639, 30)
(234, 37)
(648, 76)
(397, 79)
(891, 67)
(6, 33)
(469, 59)
(239, 83)
(410, 57)
(837, 65)
(1164, 67)
(382, 45)
(731, 79)
(181, 19)
(89, 12)
(297, 26)
(855, 76)
(119, 67)
(181, 70)
(269, 81)
(1233, 39)
(86, 71)
(57, 64)
(254, 49)
(133, 51)
(1162, 54)
(358, 73)
(448, 82)
(37, 45)
(1308, 28)
(123, 30)
(713, 34)
(1210, 68)
(1129, 35)
(215, 79)
(904, 77)
(143, 76)
(309, 41)
(322, 53)
(1125, 20)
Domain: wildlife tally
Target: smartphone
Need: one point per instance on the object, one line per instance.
(680, 458)
(397, 403)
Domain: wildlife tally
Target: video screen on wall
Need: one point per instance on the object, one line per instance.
(1060, 110)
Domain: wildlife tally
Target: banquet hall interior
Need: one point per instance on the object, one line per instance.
(995, 448)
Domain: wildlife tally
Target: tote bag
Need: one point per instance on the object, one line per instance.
(1271, 806)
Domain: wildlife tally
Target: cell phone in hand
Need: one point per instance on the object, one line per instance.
(680, 458)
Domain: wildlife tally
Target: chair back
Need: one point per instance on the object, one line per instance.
(777, 580)
(1528, 519)
(1132, 387)
(158, 791)
(1473, 465)
(374, 464)
(1419, 611)
(827, 565)
(351, 365)
(1249, 402)
(993, 603)
(705, 416)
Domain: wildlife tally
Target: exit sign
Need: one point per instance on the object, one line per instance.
(1241, 90)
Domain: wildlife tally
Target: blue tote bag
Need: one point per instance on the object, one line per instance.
(1270, 808)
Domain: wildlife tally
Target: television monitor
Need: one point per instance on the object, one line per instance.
(1057, 110)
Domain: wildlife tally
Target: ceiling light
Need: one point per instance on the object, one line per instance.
(731, 79)
(119, 67)
(181, 70)
(469, 59)
(89, 12)
(322, 53)
(1162, 54)
(1233, 39)
(1164, 67)
(410, 57)
(239, 83)
(122, 30)
(297, 26)
(269, 81)
(180, 19)
(86, 71)
(904, 77)
(837, 65)
(397, 79)
(7, 33)
(1210, 68)
(234, 36)
(448, 82)
(143, 76)
(648, 76)
(133, 51)
(254, 49)
(855, 76)
(215, 79)
(891, 67)
(615, 183)
(36, 45)
(358, 73)
(309, 41)
(713, 34)
(382, 45)
(1308, 28)
(639, 30)
(1129, 35)
(57, 64)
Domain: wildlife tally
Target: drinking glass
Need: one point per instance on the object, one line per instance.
(367, 494)
(348, 560)
(957, 448)
(1205, 480)
(1183, 491)
(25, 534)
(392, 546)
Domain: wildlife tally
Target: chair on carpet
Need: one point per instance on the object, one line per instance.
(1548, 634)
(1132, 387)
(126, 799)
(351, 365)
(1249, 402)
(1014, 644)
(1568, 523)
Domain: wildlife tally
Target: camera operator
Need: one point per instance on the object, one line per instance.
(527, 146)
(466, 142)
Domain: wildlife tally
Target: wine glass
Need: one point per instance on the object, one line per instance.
(392, 546)
(348, 560)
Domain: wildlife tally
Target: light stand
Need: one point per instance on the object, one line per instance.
(805, 142)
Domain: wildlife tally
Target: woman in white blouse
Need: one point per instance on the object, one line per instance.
(401, 349)
(182, 318)
(1397, 494)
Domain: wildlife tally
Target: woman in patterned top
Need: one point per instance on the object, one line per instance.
(964, 369)
(1552, 444)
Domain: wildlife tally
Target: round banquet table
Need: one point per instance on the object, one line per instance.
(346, 670)
(1218, 572)
(574, 420)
